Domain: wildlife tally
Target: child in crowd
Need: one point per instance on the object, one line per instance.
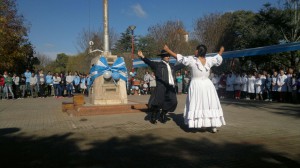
(268, 87)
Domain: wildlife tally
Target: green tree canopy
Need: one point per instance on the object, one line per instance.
(16, 52)
(124, 44)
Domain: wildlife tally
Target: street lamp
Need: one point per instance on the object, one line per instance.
(91, 43)
(132, 27)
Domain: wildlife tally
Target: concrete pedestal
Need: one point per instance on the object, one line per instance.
(79, 108)
(108, 93)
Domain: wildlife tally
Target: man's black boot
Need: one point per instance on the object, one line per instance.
(163, 116)
(153, 117)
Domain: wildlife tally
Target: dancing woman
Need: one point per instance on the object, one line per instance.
(202, 108)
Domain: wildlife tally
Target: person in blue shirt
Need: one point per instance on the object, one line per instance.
(27, 75)
(179, 79)
(83, 84)
(49, 83)
(76, 82)
(268, 87)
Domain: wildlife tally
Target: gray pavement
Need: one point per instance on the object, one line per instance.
(34, 132)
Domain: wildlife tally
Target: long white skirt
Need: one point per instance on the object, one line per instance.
(203, 108)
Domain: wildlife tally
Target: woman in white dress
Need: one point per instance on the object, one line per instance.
(251, 86)
(202, 108)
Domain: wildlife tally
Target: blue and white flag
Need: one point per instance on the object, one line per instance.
(120, 67)
(101, 66)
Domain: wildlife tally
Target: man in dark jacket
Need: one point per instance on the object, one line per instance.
(164, 96)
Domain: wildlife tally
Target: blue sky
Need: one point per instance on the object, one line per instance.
(55, 25)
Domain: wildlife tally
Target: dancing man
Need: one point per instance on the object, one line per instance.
(164, 96)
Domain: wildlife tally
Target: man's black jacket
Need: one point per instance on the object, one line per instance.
(161, 71)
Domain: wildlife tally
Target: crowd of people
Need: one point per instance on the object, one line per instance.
(270, 85)
(141, 86)
(38, 84)
(281, 86)
(147, 84)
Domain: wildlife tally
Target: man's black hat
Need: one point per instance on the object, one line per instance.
(163, 53)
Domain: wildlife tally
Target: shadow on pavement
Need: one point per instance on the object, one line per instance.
(133, 151)
(178, 119)
(8, 131)
(286, 109)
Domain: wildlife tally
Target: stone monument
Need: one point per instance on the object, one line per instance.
(106, 91)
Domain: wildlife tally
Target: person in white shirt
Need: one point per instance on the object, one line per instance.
(282, 86)
(16, 85)
(41, 84)
(69, 82)
(222, 86)
(229, 85)
(244, 86)
(144, 88)
(215, 80)
(147, 79)
(152, 82)
(258, 87)
(33, 86)
(237, 86)
(251, 88)
(274, 86)
(56, 85)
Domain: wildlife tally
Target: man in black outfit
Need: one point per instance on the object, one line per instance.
(164, 96)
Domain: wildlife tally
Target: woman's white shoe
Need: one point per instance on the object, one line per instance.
(214, 130)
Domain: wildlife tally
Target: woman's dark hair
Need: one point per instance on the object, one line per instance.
(201, 50)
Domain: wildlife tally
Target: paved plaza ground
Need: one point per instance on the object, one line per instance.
(34, 132)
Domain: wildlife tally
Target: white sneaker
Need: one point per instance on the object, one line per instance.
(214, 130)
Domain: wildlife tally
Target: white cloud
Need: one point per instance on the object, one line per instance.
(138, 10)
